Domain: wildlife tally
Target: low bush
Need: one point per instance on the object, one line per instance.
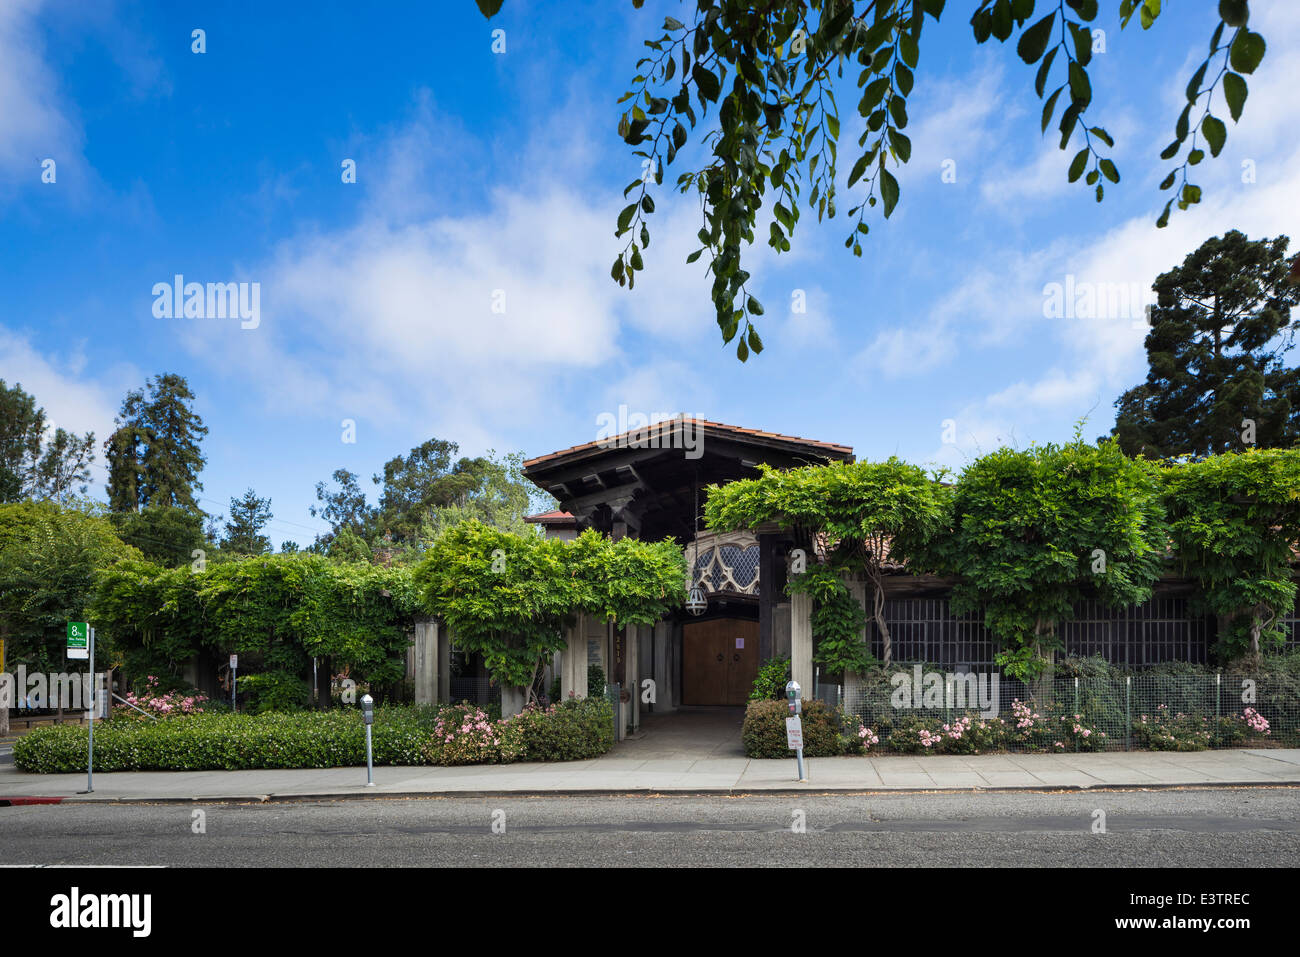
(763, 733)
(572, 730)
(579, 728)
(770, 683)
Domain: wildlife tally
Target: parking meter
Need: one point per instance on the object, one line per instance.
(368, 718)
(794, 724)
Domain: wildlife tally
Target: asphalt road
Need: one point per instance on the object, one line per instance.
(1254, 827)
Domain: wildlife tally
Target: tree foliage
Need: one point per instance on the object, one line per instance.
(276, 612)
(32, 464)
(1235, 522)
(248, 516)
(49, 558)
(153, 455)
(1220, 331)
(1035, 531)
(864, 514)
(773, 71)
(163, 534)
(508, 597)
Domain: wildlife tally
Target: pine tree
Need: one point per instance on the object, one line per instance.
(1220, 330)
(248, 516)
(154, 456)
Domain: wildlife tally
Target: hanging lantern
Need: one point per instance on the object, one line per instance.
(696, 603)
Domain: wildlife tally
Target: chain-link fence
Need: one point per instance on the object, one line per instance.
(925, 711)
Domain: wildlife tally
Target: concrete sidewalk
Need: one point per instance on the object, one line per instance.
(615, 774)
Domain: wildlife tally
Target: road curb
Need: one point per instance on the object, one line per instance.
(646, 792)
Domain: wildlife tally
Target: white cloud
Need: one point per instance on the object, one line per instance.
(34, 120)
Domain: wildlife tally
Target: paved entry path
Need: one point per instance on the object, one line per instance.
(685, 735)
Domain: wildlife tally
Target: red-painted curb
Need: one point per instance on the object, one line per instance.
(16, 801)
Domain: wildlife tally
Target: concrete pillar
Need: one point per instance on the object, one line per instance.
(661, 669)
(573, 674)
(632, 674)
(512, 700)
(425, 661)
(443, 665)
(801, 643)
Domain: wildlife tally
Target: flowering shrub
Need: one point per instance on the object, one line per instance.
(1164, 731)
(915, 734)
(855, 736)
(152, 700)
(1079, 734)
(1031, 729)
(1255, 721)
(972, 734)
(464, 734)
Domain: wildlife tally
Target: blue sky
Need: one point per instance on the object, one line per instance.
(480, 172)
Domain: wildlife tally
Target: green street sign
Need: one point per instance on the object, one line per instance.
(78, 639)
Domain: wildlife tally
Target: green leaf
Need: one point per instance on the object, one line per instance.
(754, 306)
(1034, 40)
(1234, 91)
(1247, 51)
(1167, 181)
(1234, 13)
(907, 47)
(898, 110)
(1215, 133)
(888, 191)
(755, 343)
(1080, 88)
(706, 82)
(489, 8)
(1049, 107)
(1078, 163)
(1102, 135)
(902, 146)
(742, 351)
(625, 217)
(1108, 170)
(1040, 80)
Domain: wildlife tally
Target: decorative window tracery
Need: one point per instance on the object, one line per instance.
(724, 562)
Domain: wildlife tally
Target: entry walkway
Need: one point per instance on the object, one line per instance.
(686, 734)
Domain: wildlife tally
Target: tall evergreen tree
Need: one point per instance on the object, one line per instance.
(1220, 331)
(154, 456)
(248, 516)
(32, 465)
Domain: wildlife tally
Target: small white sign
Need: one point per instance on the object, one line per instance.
(234, 662)
(794, 733)
(740, 642)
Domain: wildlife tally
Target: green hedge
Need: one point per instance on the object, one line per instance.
(763, 732)
(237, 742)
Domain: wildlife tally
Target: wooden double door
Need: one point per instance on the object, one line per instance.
(719, 661)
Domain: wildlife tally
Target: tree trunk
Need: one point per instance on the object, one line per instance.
(878, 611)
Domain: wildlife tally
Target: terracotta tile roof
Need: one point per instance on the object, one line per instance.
(716, 427)
(551, 518)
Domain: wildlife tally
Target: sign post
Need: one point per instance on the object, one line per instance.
(81, 646)
(794, 726)
(234, 669)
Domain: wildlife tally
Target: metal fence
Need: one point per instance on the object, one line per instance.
(475, 690)
(1157, 631)
(982, 711)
